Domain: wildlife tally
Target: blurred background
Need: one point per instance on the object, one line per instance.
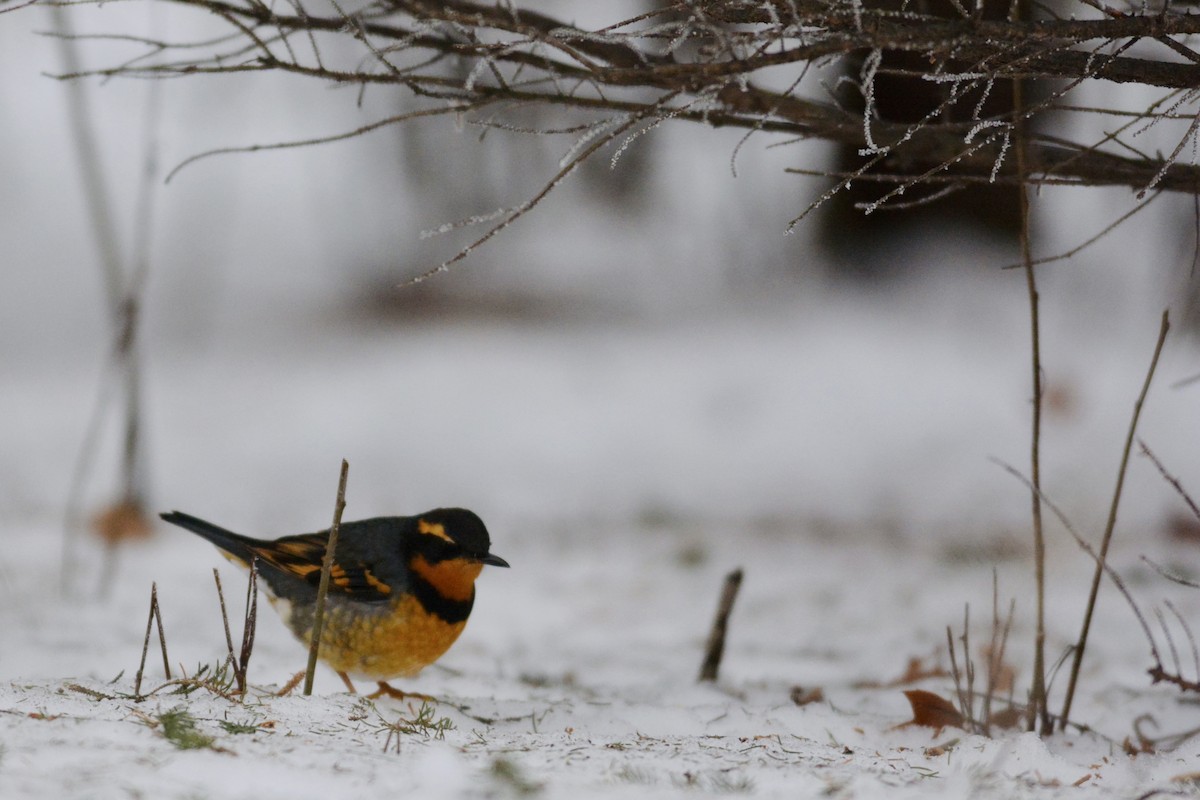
(651, 346)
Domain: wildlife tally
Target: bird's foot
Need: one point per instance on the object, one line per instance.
(385, 690)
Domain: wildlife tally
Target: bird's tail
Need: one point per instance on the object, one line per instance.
(238, 546)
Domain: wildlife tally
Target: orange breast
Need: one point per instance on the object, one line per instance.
(396, 640)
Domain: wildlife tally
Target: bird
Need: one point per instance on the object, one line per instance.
(400, 588)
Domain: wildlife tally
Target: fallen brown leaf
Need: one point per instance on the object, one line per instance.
(931, 710)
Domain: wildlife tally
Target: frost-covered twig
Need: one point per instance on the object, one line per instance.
(728, 63)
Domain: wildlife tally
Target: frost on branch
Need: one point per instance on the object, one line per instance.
(765, 66)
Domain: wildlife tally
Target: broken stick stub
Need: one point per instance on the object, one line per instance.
(716, 638)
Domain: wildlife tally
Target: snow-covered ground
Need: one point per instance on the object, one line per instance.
(622, 472)
(577, 676)
(686, 409)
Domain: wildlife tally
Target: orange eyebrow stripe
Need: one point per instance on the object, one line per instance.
(433, 529)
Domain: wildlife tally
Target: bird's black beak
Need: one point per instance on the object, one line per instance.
(493, 561)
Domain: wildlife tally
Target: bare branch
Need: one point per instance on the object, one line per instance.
(761, 67)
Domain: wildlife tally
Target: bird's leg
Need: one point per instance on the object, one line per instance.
(346, 680)
(386, 690)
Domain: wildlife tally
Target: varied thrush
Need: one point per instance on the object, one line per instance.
(400, 588)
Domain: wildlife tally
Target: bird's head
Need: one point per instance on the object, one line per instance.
(451, 547)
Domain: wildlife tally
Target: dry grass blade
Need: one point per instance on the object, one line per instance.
(994, 660)
(999, 675)
(1171, 576)
(155, 614)
(240, 663)
(156, 610)
(224, 617)
(964, 698)
(969, 669)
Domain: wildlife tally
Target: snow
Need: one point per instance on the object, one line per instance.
(658, 428)
(577, 675)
